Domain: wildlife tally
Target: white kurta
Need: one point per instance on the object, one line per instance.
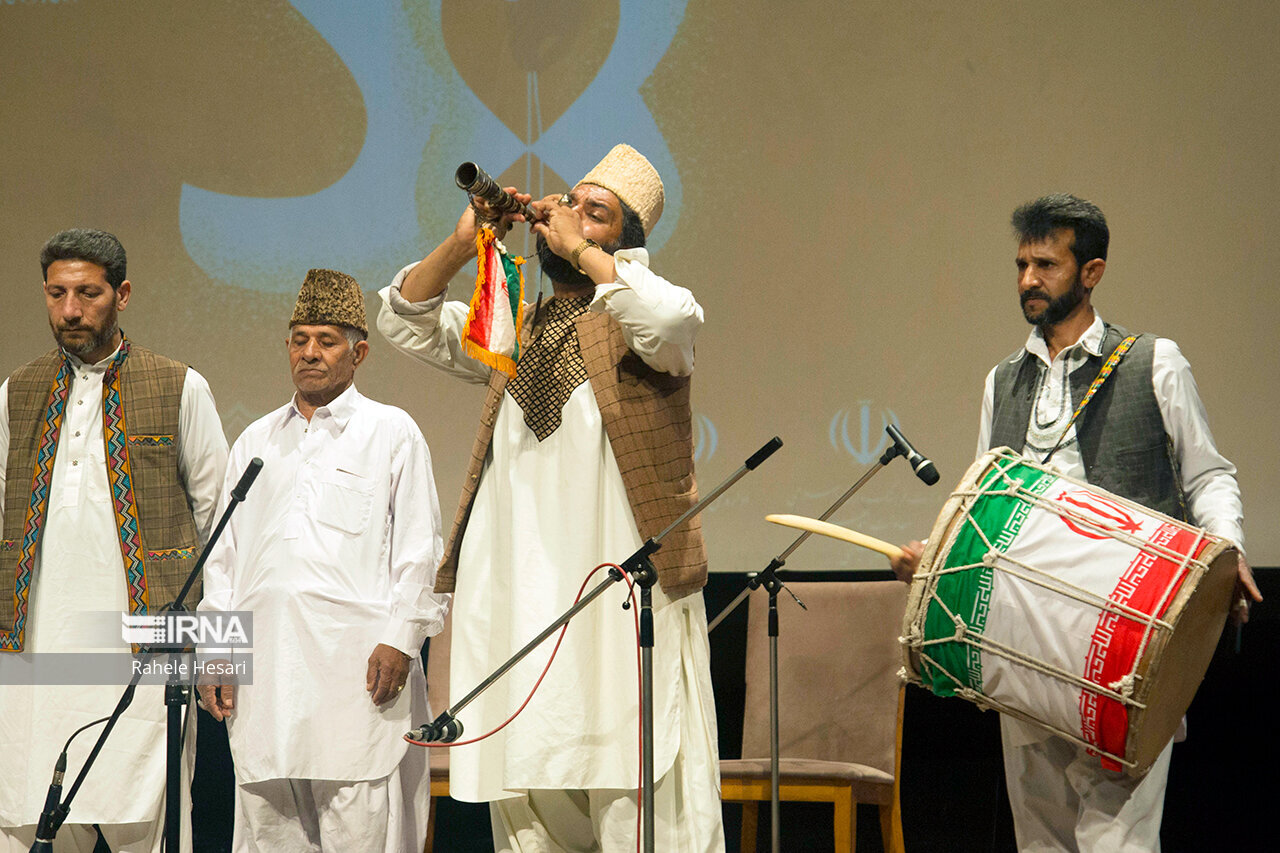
(545, 514)
(334, 551)
(79, 570)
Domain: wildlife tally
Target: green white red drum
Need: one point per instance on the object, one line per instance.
(1054, 601)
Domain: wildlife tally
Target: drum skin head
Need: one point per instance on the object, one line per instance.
(1174, 666)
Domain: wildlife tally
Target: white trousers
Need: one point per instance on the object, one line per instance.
(144, 837)
(604, 821)
(387, 815)
(81, 838)
(686, 802)
(1063, 800)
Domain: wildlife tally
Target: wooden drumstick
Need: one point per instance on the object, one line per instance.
(835, 531)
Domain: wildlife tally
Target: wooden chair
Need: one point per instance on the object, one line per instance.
(840, 707)
(438, 696)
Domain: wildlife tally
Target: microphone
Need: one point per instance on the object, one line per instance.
(49, 818)
(923, 467)
(246, 479)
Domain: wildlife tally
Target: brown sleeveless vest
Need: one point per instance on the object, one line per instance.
(649, 421)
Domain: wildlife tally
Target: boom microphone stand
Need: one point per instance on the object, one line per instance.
(769, 579)
(176, 697)
(446, 728)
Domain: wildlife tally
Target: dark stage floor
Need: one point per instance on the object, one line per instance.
(953, 799)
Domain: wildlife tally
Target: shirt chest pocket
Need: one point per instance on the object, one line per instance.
(344, 501)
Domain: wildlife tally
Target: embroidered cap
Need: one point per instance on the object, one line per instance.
(330, 298)
(627, 174)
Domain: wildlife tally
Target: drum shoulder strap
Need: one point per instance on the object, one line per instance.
(1108, 367)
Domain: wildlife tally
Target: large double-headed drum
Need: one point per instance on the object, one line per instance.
(1066, 606)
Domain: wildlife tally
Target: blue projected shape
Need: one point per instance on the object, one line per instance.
(705, 438)
(864, 452)
(398, 199)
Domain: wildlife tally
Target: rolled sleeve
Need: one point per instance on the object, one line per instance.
(659, 319)
(429, 331)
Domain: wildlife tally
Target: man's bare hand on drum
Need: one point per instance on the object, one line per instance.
(1246, 593)
(904, 566)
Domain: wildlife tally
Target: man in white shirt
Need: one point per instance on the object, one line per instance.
(114, 458)
(1149, 441)
(334, 552)
(580, 457)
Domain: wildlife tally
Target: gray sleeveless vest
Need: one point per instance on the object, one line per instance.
(1121, 434)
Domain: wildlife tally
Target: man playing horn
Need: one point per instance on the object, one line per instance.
(581, 456)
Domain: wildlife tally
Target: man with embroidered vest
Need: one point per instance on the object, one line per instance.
(580, 457)
(1144, 435)
(114, 458)
(335, 553)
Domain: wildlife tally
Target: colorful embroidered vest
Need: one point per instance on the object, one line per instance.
(156, 529)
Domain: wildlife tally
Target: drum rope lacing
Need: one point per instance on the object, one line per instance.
(1184, 565)
(1121, 690)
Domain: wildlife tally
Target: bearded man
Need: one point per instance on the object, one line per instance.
(115, 456)
(582, 456)
(1145, 436)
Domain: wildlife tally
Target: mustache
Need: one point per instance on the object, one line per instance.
(1027, 296)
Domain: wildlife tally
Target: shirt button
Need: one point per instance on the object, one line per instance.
(79, 402)
(75, 461)
(77, 433)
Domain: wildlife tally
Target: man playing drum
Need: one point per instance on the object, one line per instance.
(1145, 436)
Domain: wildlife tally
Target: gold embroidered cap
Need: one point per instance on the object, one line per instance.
(627, 174)
(330, 298)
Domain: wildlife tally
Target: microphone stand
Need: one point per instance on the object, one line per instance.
(769, 579)
(446, 728)
(176, 697)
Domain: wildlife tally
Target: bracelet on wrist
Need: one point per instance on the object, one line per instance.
(577, 253)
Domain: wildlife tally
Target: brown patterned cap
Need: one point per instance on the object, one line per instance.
(330, 298)
(627, 174)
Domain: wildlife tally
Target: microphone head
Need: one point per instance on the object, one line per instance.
(927, 473)
(763, 453)
(246, 479)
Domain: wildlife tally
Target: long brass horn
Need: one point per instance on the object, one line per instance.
(475, 181)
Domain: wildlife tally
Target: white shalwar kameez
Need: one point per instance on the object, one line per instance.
(79, 570)
(334, 551)
(563, 776)
(1061, 797)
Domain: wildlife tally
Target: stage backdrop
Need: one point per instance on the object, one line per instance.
(839, 180)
